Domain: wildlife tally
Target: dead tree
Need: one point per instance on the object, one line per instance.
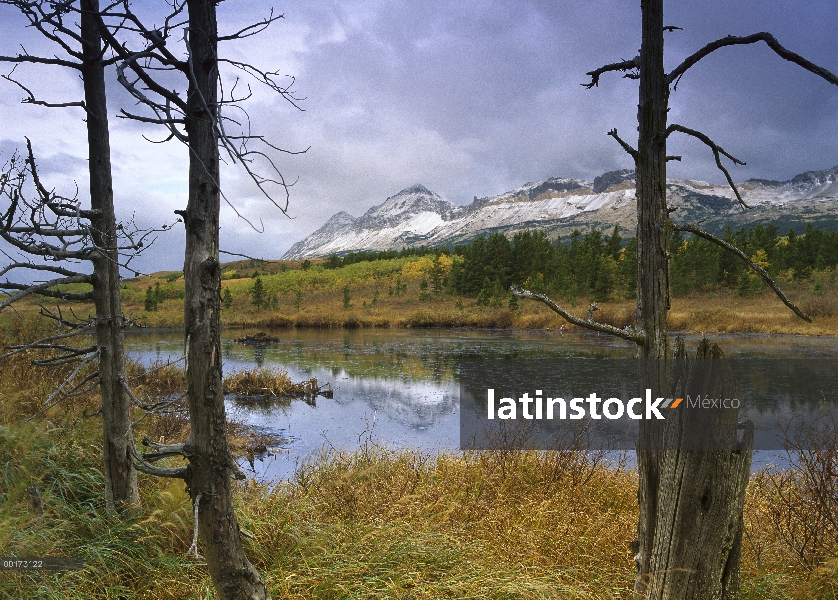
(81, 43)
(52, 235)
(197, 117)
(690, 524)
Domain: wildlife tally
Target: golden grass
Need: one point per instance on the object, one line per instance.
(370, 283)
(373, 523)
(369, 524)
(267, 383)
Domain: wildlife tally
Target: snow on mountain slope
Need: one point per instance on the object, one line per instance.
(417, 216)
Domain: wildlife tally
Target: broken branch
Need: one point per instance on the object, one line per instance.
(763, 36)
(755, 267)
(625, 145)
(717, 152)
(625, 65)
(629, 333)
(194, 546)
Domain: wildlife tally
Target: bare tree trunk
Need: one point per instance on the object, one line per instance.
(211, 466)
(690, 523)
(653, 227)
(120, 475)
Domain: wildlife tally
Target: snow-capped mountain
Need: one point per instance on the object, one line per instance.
(417, 216)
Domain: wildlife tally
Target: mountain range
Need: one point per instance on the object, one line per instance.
(417, 216)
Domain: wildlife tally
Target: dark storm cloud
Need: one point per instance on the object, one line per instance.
(476, 98)
(60, 163)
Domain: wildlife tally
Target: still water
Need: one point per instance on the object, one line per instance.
(399, 387)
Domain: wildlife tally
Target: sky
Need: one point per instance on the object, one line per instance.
(467, 98)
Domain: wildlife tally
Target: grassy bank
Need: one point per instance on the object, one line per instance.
(395, 293)
(372, 524)
(369, 524)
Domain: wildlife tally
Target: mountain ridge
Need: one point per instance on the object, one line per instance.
(417, 216)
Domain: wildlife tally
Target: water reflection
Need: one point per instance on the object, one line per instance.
(400, 388)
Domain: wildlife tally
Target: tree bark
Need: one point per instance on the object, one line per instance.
(120, 475)
(694, 521)
(690, 497)
(211, 465)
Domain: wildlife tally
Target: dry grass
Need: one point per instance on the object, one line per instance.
(377, 523)
(266, 383)
(720, 311)
(381, 524)
(726, 312)
(713, 310)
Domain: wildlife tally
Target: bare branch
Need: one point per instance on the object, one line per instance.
(42, 289)
(751, 39)
(30, 97)
(42, 343)
(84, 386)
(157, 409)
(146, 467)
(90, 356)
(625, 65)
(163, 450)
(124, 114)
(71, 355)
(717, 152)
(79, 326)
(51, 268)
(252, 29)
(25, 58)
(633, 335)
(755, 267)
(625, 145)
(149, 408)
(194, 546)
(237, 254)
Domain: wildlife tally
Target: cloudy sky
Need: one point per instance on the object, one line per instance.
(468, 98)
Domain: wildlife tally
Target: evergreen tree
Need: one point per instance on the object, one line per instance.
(485, 293)
(347, 299)
(614, 244)
(437, 276)
(258, 293)
(159, 295)
(150, 303)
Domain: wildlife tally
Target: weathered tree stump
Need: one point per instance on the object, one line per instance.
(694, 471)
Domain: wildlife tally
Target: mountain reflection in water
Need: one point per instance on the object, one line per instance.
(399, 387)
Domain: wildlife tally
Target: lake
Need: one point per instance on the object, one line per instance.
(399, 387)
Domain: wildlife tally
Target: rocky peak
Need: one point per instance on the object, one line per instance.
(606, 180)
(812, 178)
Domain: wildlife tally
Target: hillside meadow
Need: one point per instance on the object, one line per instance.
(399, 293)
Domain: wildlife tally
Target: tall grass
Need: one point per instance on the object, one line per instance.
(377, 523)
(373, 523)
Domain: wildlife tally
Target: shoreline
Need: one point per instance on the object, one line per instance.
(571, 329)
